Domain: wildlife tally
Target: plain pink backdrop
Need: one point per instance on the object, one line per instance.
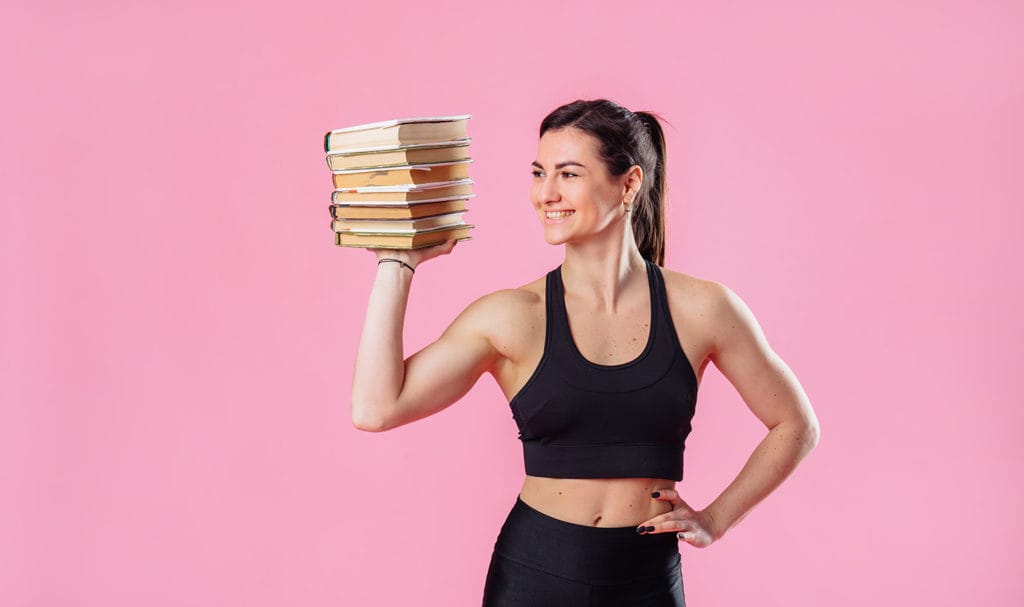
(178, 329)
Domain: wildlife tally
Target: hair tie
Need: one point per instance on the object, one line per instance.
(383, 259)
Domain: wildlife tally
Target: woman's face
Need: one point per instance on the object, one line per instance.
(572, 192)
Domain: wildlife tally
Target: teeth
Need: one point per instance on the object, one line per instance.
(558, 214)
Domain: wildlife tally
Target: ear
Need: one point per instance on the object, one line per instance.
(632, 181)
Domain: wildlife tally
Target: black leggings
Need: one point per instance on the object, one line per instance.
(540, 560)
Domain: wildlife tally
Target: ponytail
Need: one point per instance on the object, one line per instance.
(649, 214)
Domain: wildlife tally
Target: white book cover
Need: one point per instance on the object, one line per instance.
(397, 121)
(401, 146)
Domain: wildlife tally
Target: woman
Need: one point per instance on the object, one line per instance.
(601, 360)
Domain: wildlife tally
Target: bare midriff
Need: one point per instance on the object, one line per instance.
(597, 502)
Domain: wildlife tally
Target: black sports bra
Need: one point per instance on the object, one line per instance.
(579, 419)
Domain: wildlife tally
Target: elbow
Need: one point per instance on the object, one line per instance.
(369, 425)
(811, 433)
(363, 419)
(803, 432)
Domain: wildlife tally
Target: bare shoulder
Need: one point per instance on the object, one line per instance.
(703, 311)
(506, 305)
(695, 294)
(717, 309)
(507, 317)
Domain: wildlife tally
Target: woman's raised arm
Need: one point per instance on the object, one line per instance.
(388, 390)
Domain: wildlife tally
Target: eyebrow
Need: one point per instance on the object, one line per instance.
(560, 164)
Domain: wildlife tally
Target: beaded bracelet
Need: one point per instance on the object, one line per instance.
(383, 259)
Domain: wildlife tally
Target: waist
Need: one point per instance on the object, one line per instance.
(597, 502)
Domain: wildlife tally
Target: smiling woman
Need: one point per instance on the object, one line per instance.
(601, 359)
(593, 155)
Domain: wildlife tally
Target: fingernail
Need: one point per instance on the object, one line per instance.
(640, 529)
(650, 528)
(656, 494)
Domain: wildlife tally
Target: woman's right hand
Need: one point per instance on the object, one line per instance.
(415, 257)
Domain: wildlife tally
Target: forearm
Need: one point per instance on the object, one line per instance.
(380, 362)
(772, 461)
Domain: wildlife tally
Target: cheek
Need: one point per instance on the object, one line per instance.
(604, 201)
(590, 203)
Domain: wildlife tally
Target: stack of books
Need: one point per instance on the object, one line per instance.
(400, 184)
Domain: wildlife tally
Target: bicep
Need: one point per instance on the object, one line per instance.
(442, 372)
(743, 355)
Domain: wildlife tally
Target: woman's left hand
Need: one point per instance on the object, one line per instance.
(695, 527)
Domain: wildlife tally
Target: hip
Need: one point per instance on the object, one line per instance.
(584, 553)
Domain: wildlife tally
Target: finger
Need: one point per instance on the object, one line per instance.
(666, 526)
(671, 496)
(445, 247)
(673, 515)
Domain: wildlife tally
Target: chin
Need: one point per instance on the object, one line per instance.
(554, 239)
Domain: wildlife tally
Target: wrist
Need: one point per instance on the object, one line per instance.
(712, 524)
(401, 264)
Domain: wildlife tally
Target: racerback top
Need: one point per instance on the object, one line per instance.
(579, 419)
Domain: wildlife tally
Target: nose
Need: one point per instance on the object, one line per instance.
(547, 190)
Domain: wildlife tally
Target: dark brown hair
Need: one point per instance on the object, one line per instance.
(627, 138)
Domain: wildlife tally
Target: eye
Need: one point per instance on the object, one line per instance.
(535, 173)
(568, 174)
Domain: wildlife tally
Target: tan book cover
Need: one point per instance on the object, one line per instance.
(392, 156)
(411, 211)
(402, 241)
(406, 174)
(400, 195)
(396, 226)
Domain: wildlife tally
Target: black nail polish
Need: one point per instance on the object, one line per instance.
(650, 529)
(656, 494)
(640, 529)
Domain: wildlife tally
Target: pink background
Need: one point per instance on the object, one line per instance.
(177, 329)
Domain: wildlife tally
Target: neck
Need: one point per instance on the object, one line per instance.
(602, 269)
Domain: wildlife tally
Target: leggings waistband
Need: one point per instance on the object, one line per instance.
(595, 555)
